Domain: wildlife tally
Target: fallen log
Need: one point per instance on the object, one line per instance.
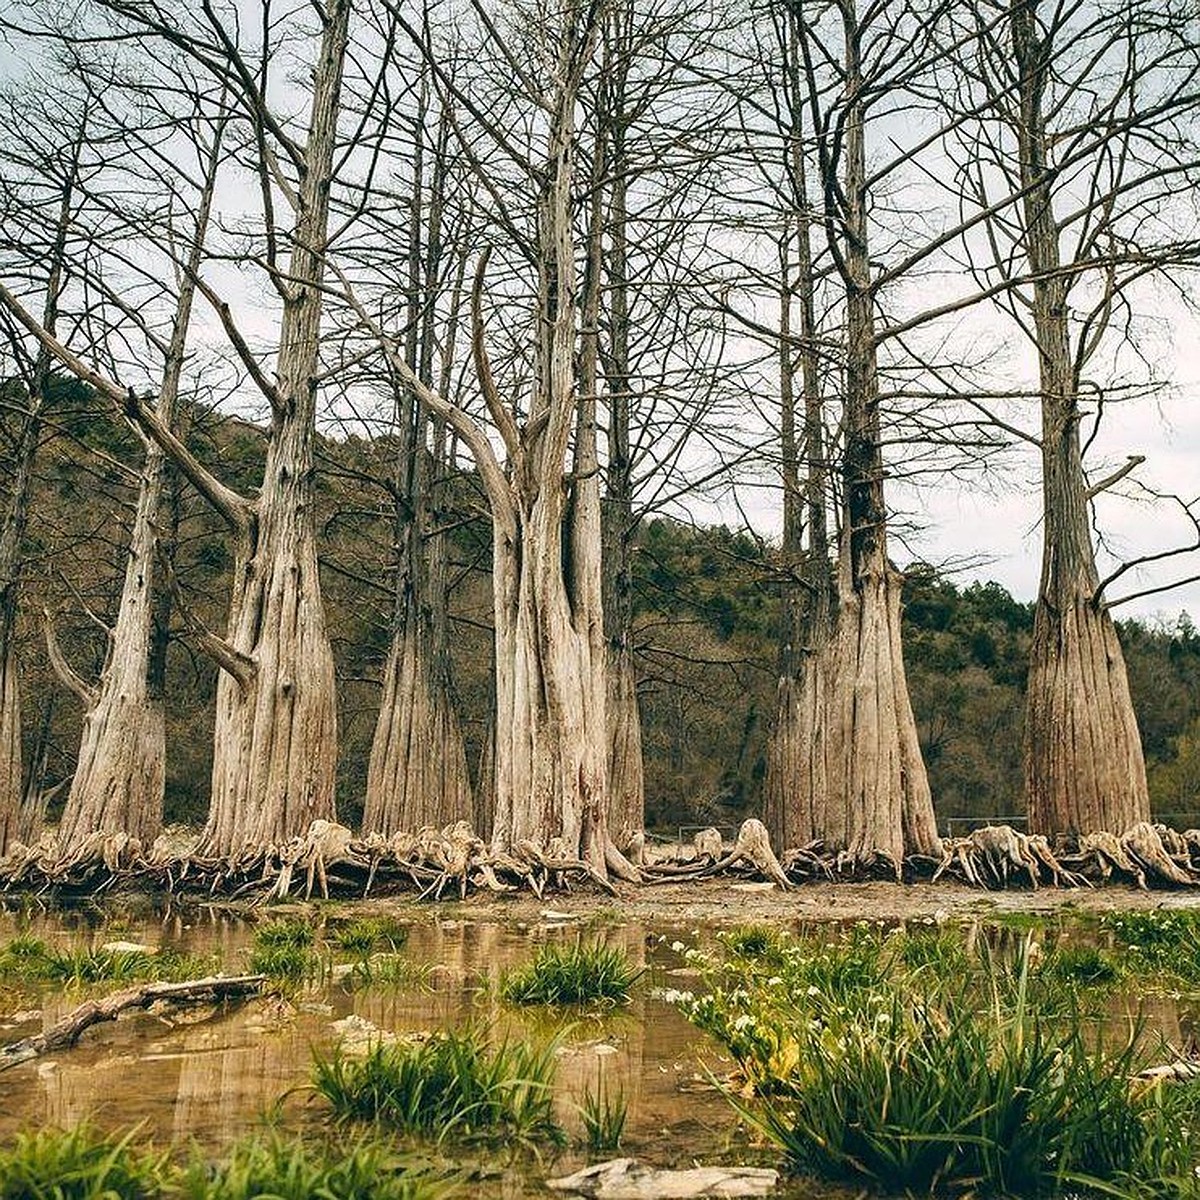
(68, 1031)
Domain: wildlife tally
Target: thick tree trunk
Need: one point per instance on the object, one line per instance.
(879, 797)
(552, 737)
(551, 757)
(796, 789)
(120, 774)
(1084, 768)
(11, 774)
(276, 725)
(417, 774)
(418, 769)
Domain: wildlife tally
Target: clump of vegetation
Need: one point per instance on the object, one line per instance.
(1160, 941)
(1087, 966)
(282, 950)
(391, 970)
(581, 973)
(290, 1168)
(80, 1164)
(453, 1084)
(760, 943)
(84, 1164)
(368, 934)
(938, 950)
(603, 1114)
(31, 960)
(923, 1082)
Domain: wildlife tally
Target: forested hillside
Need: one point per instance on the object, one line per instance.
(707, 610)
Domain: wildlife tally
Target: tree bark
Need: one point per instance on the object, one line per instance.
(879, 799)
(120, 774)
(1084, 768)
(417, 774)
(16, 518)
(796, 789)
(275, 741)
(552, 737)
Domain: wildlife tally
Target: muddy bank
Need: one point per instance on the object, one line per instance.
(726, 902)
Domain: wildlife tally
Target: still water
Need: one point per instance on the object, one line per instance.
(211, 1074)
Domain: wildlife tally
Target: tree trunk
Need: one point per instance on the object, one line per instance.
(16, 517)
(626, 776)
(879, 797)
(120, 775)
(417, 774)
(551, 757)
(1084, 768)
(275, 742)
(796, 789)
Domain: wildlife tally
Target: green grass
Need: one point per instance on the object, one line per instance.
(1082, 965)
(868, 1067)
(279, 1167)
(760, 943)
(391, 970)
(282, 950)
(1164, 942)
(603, 1115)
(85, 1164)
(27, 960)
(580, 973)
(79, 1164)
(368, 934)
(454, 1084)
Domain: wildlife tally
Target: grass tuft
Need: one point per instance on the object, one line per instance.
(282, 950)
(278, 1167)
(369, 934)
(603, 1114)
(582, 973)
(79, 1164)
(451, 1085)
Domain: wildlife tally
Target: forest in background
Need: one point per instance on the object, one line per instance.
(707, 613)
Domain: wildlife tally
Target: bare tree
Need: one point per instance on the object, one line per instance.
(878, 798)
(59, 187)
(1082, 153)
(121, 769)
(275, 733)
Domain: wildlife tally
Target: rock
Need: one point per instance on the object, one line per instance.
(758, 885)
(358, 1035)
(625, 1179)
(553, 914)
(128, 948)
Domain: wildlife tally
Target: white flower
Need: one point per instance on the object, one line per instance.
(678, 947)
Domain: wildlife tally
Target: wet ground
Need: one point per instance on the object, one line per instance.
(210, 1074)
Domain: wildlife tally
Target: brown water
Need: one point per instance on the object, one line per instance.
(210, 1074)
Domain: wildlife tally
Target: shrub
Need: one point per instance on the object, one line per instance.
(581, 973)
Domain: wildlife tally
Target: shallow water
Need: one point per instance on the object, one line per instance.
(210, 1074)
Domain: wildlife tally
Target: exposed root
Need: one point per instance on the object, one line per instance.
(331, 860)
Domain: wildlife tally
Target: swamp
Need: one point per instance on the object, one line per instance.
(914, 1040)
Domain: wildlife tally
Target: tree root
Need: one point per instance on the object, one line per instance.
(331, 861)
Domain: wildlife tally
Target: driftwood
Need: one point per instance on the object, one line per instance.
(108, 1008)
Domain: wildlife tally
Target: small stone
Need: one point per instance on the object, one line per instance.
(128, 948)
